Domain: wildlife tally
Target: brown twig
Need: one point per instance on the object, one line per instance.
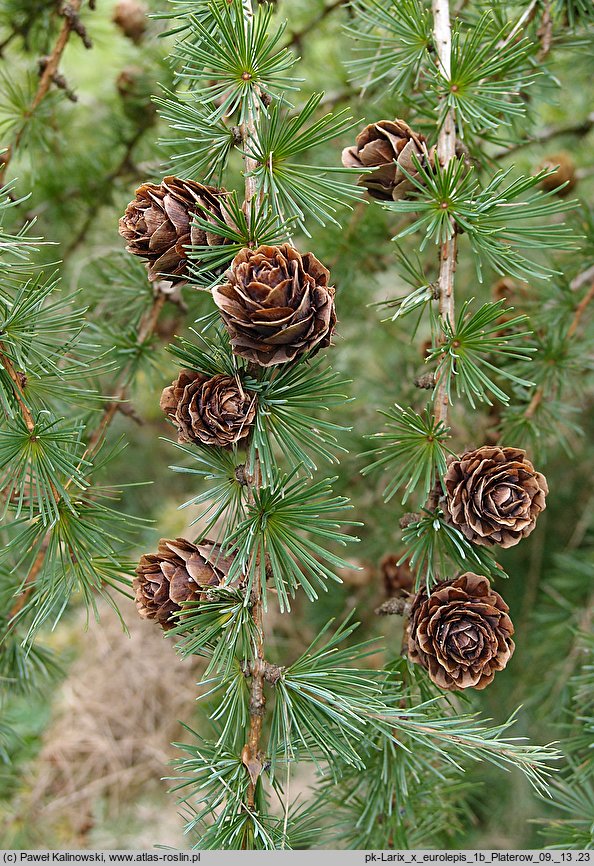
(581, 279)
(584, 626)
(296, 37)
(106, 182)
(527, 16)
(147, 326)
(581, 128)
(446, 151)
(6, 42)
(580, 310)
(251, 755)
(17, 389)
(70, 24)
(393, 607)
(18, 382)
(545, 30)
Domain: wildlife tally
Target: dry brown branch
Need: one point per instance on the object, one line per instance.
(70, 24)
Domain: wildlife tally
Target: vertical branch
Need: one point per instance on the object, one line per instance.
(251, 750)
(248, 129)
(446, 151)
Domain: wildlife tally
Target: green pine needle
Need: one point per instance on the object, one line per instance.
(412, 451)
(471, 347)
(394, 40)
(286, 535)
(295, 189)
(488, 74)
(288, 415)
(437, 551)
(500, 220)
(237, 60)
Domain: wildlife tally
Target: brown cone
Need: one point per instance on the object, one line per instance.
(461, 633)
(158, 224)
(388, 146)
(564, 174)
(494, 495)
(212, 411)
(398, 579)
(277, 304)
(131, 17)
(179, 572)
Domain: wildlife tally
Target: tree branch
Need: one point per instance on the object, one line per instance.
(106, 183)
(147, 327)
(538, 395)
(581, 128)
(17, 389)
(251, 755)
(71, 23)
(446, 151)
(297, 36)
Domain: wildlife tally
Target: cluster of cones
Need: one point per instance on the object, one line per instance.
(278, 305)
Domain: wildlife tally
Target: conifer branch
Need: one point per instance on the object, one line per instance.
(17, 389)
(147, 327)
(50, 71)
(104, 183)
(27, 416)
(251, 751)
(257, 704)
(524, 19)
(6, 42)
(580, 128)
(580, 310)
(446, 152)
(582, 279)
(538, 395)
(297, 37)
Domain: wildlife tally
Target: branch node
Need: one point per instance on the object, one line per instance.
(76, 26)
(425, 382)
(171, 292)
(266, 670)
(393, 607)
(407, 519)
(240, 475)
(130, 412)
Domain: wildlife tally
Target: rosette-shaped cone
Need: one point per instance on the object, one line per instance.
(494, 495)
(209, 410)
(460, 633)
(178, 572)
(159, 224)
(387, 146)
(276, 304)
